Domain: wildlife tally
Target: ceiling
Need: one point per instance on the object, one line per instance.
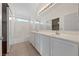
(59, 10)
(30, 10)
(25, 10)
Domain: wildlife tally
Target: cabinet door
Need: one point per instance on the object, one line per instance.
(37, 42)
(63, 48)
(32, 39)
(44, 45)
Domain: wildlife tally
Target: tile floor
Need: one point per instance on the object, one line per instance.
(23, 49)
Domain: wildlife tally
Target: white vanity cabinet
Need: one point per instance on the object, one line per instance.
(44, 45)
(37, 42)
(32, 39)
(60, 47)
(51, 45)
(41, 43)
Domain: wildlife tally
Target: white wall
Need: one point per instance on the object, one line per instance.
(71, 22)
(19, 30)
(11, 30)
(11, 24)
(58, 11)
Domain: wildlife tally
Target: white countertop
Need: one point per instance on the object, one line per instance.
(65, 35)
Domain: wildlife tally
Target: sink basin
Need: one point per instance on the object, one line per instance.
(55, 33)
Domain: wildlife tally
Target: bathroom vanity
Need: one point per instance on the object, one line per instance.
(49, 43)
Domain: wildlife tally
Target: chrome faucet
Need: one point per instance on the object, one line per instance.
(57, 32)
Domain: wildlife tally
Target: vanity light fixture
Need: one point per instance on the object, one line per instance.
(47, 6)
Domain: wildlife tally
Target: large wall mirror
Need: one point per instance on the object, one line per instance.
(55, 24)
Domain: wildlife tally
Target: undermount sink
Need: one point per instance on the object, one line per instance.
(56, 33)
